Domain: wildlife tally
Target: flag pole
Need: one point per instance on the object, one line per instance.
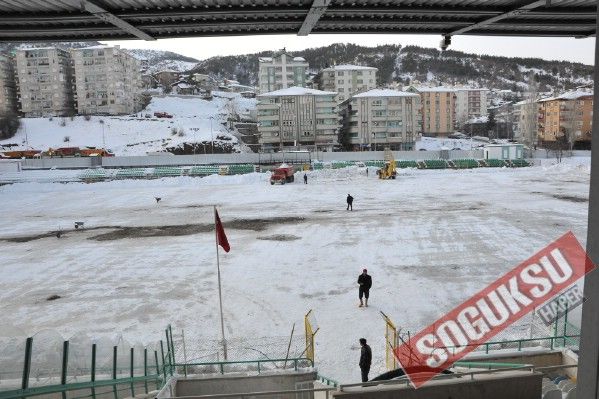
(220, 296)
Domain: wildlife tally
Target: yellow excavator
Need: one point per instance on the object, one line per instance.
(388, 171)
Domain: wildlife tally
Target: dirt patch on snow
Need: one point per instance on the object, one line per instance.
(280, 237)
(570, 198)
(120, 232)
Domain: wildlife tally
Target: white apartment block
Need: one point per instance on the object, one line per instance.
(382, 118)
(107, 81)
(298, 118)
(281, 71)
(348, 80)
(524, 122)
(470, 103)
(8, 89)
(44, 81)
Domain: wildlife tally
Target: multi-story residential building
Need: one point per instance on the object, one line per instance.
(44, 81)
(470, 103)
(107, 81)
(381, 118)
(348, 80)
(437, 109)
(524, 122)
(298, 117)
(281, 71)
(167, 77)
(8, 89)
(567, 118)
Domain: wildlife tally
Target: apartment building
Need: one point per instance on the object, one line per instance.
(437, 109)
(469, 103)
(44, 82)
(281, 71)
(8, 89)
(348, 80)
(524, 122)
(107, 81)
(568, 117)
(381, 118)
(298, 118)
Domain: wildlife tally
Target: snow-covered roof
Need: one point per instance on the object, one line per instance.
(100, 46)
(571, 95)
(183, 85)
(471, 89)
(39, 48)
(434, 89)
(385, 93)
(348, 67)
(298, 91)
(299, 59)
(265, 59)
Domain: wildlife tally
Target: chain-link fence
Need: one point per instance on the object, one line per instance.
(195, 354)
(47, 358)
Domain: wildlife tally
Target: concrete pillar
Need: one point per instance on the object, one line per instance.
(588, 365)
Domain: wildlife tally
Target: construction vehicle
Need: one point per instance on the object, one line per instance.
(388, 170)
(281, 175)
(18, 154)
(95, 152)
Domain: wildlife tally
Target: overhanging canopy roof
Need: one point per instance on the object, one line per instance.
(68, 20)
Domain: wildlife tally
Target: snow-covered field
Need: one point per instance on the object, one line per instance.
(137, 135)
(430, 239)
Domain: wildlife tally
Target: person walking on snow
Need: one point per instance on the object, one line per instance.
(305, 178)
(350, 201)
(365, 359)
(365, 282)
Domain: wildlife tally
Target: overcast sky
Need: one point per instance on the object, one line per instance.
(567, 49)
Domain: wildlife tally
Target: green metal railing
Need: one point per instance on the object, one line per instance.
(519, 342)
(327, 381)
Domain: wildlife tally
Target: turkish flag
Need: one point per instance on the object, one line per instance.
(221, 237)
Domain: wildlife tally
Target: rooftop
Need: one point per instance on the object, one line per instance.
(298, 91)
(350, 68)
(385, 93)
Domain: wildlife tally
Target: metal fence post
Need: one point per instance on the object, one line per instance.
(565, 324)
(163, 365)
(114, 364)
(146, 369)
(65, 365)
(131, 372)
(168, 352)
(157, 368)
(93, 370)
(27, 363)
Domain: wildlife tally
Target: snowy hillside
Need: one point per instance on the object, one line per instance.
(194, 121)
(406, 64)
(165, 60)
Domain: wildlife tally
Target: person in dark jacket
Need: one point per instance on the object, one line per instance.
(350, 201)
(365, 359)
(305, 178)
(365, 282)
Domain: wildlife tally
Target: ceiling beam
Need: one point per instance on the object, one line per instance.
(108, 17)
(318, 8)
(513, 13)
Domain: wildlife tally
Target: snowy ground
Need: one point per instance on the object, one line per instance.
(430, 239)
(137, 135)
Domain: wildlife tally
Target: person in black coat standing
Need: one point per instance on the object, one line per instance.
(365, 359)
(350, 201)
(365, 282)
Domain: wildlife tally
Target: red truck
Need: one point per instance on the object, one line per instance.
(281, 175)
